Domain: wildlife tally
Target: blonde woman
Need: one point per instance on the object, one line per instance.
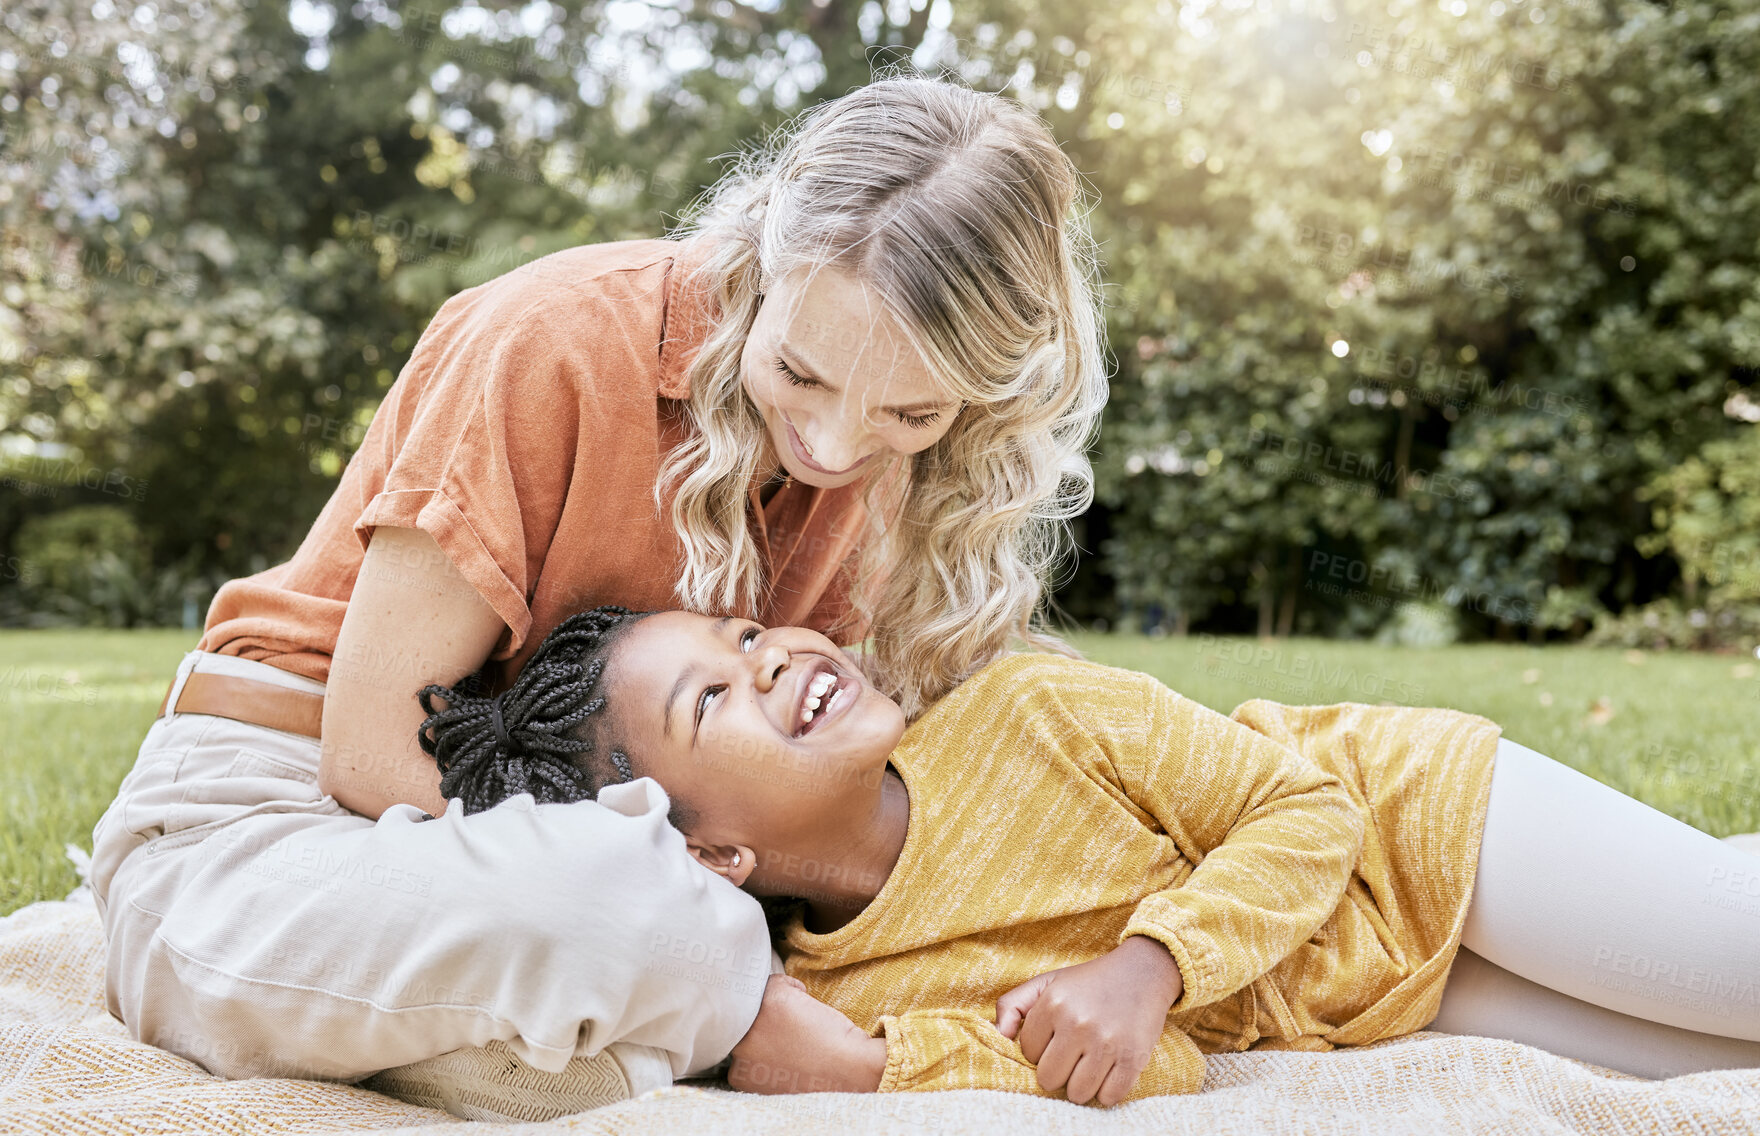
(854, 393)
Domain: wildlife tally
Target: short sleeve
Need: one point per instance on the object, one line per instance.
(480, 451)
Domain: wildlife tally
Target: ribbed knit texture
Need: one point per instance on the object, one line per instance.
(1309, 868)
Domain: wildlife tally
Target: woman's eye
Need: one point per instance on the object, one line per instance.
(703, 702)
(787, 372)
(918, 421)
(745, 640)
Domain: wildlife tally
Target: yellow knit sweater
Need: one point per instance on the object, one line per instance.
(1309, 868)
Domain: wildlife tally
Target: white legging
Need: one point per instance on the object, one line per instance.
(1605, 930)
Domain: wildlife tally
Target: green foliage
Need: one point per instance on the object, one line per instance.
(1707, 515)
(221, 247)
(1708, 511)
(1432, 294)
(90, 565)
(62, 546)
(1411, 309)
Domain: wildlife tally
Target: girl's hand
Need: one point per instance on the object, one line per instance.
(800, 1045)
(1094, 1026)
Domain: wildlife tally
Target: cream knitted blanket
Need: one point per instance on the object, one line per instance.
(66, 1066)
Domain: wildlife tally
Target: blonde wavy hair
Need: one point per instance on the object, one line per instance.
(959, 210)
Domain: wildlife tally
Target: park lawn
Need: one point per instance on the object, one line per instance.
(74, 706)
(1681, 732)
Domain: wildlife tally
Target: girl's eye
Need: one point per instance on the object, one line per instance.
(787, 372)
(745, 640)
(919, 421)
(703, 702)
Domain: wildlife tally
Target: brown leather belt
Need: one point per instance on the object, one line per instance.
(247, 700)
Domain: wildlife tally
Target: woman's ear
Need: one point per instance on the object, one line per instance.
(734, 862)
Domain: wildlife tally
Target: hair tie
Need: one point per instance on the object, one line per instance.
(500, 726)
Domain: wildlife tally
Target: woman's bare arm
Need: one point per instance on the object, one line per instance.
(411, 620)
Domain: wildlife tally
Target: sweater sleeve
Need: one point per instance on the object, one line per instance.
(928, 1050)
(1274, 838)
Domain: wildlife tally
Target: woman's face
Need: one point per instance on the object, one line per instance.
(721, 712)
(838, 383)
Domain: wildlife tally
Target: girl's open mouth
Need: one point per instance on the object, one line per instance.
(825, 693)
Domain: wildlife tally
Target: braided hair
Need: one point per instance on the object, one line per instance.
(530, 739)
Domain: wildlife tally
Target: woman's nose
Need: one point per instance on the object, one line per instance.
(839, 447)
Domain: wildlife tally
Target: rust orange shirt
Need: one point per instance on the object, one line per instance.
(525, 434)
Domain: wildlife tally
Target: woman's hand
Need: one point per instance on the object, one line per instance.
(1094, 1026)
(801, 1045)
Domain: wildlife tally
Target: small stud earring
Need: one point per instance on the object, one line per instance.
(736, 859)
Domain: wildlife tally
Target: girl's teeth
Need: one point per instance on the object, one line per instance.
(816, 696)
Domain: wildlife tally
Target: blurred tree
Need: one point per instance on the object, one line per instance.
(1415, 297)
(222, 247)
(1409, 300)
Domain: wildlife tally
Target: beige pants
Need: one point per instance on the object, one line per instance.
(1605, 930)
(257, 927)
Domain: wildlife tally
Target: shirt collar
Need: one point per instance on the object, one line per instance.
(685, 323)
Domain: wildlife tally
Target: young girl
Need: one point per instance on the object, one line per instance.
(855, 394)
(1066, 878)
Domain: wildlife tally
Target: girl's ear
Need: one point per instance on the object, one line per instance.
(734, 862)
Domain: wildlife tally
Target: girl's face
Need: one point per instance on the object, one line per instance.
(839, 385)
(759, 733)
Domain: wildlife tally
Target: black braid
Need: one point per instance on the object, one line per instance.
(547, 753)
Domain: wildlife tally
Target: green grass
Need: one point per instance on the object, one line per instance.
(1683, 734)
(74, 706)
